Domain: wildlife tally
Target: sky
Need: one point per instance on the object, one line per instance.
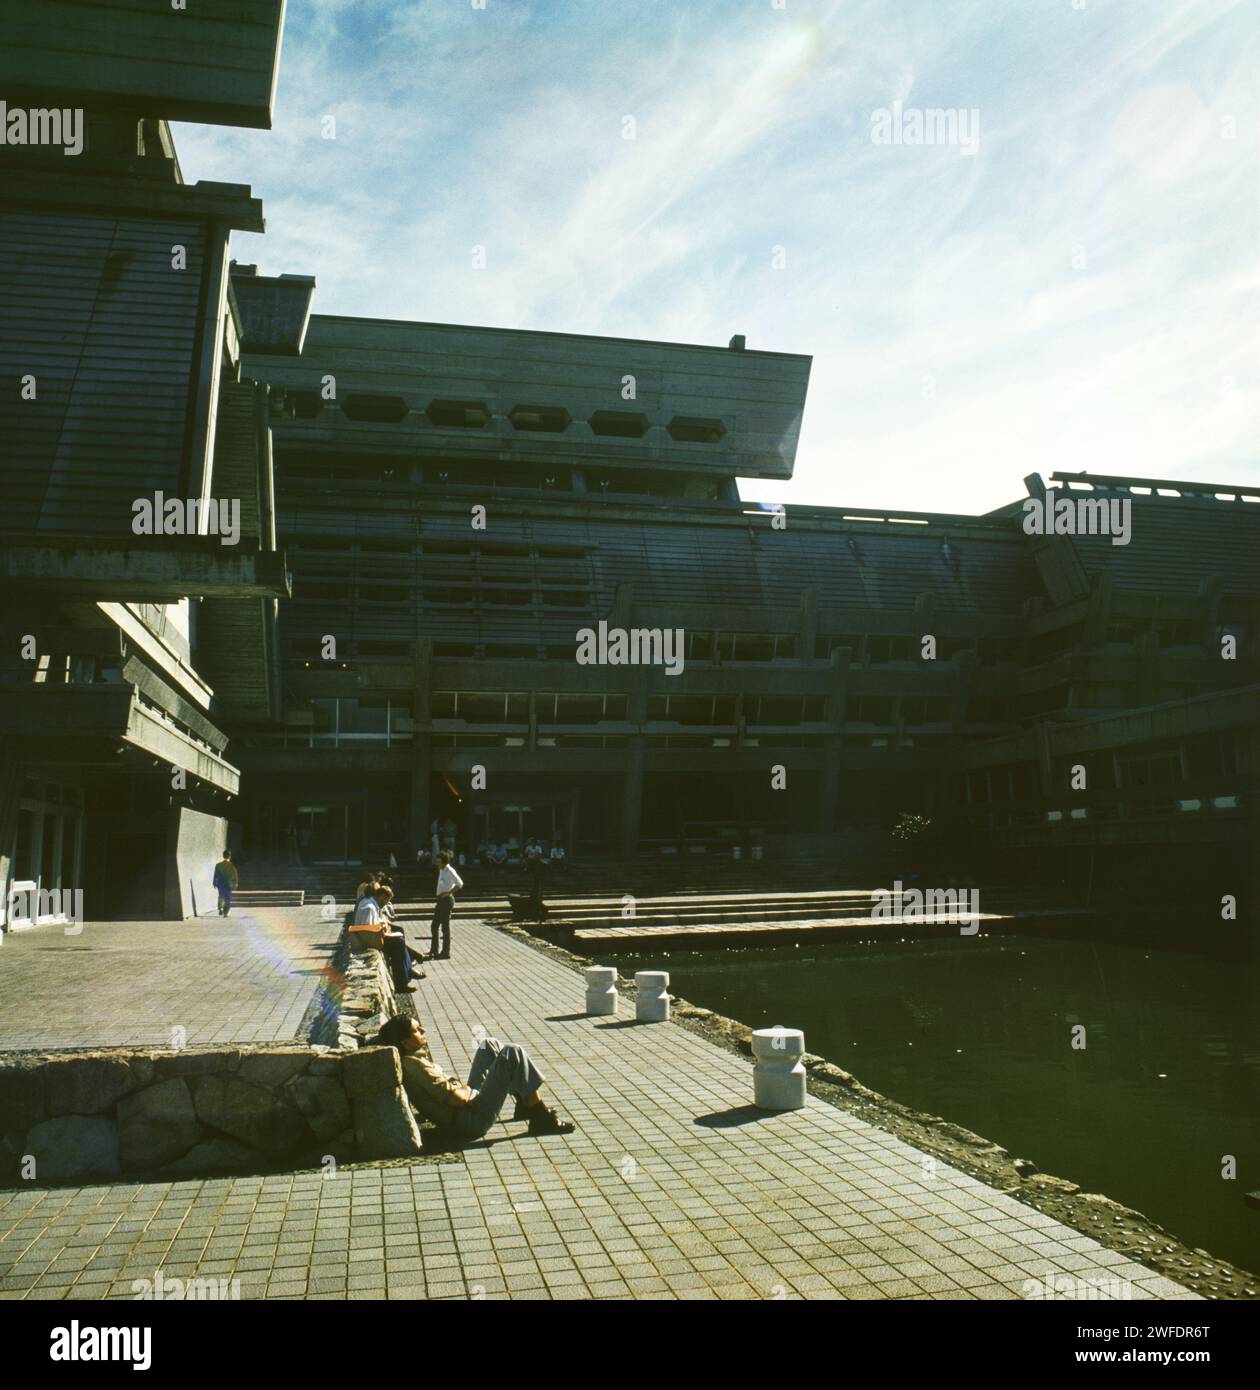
(1066, 279)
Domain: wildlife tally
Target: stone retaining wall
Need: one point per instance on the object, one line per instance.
(165, 1113)
(216, 1110)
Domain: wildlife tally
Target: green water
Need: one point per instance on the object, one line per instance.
(980, 1032)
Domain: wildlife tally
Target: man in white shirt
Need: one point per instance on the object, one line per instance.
(449, 883)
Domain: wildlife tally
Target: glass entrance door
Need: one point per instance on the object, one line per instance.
(324, 834)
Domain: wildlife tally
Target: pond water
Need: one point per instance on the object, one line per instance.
(980, 1032)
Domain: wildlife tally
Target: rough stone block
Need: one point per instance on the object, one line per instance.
(371, 1070)
(329, 1065)
(87, 1085)
(22, 1097)
(212, 1062)
(221, 1155)
(384, 1126)
(323, 1103)
(275, 1066)
(74, 1146)
(156, 1125)
(143, 1068)
(270, 1120)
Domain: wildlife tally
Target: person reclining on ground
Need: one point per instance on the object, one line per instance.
(466, 1111)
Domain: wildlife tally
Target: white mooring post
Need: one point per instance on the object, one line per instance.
(778, 1072)
(601, 990)
(652, 1004)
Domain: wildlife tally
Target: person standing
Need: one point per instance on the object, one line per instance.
(449, 883)
(225, 880)
(291, 843)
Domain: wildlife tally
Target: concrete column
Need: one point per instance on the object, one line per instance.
(1045, 764)
(1099, 611)
(636, 759)
(966, 663)
(1147, 661)
(632, 797)
(1209, 615)
(421, 746)
(421, 772)
(825, 813)
(808, 636)
(623, 606)
(10, 787)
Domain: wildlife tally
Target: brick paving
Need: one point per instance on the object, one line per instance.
(673, 1187)
(247, 978)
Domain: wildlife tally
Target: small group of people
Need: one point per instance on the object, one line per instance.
(509, 852)
(373, 923)
(463, 1110)
(372, 926)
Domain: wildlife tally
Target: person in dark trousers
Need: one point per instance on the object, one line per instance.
(465, 1111)
(449, 883)
(225, 880)
(396, 952)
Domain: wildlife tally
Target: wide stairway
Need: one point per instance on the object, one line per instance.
(609, 904)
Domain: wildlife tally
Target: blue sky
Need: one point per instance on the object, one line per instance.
(1079, 293)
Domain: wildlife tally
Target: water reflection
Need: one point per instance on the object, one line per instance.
(980, 1031)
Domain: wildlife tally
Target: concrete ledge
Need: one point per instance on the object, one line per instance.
(355, 998)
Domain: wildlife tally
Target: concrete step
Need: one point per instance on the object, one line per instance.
(269, 897)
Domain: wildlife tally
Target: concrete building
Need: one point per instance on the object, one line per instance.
(120, 350)
(459, 507)
(459, 504)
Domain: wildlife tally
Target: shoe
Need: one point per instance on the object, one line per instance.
(544, 1120)
(522, 1111)
(407, 989)
(419, 974)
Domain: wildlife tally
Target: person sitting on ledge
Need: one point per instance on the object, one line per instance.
(369, 931)
(396, 953)
(466, 1111)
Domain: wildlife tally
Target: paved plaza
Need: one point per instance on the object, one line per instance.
(673, 1185)
(248, 978)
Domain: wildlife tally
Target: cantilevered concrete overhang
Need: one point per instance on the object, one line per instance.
(214, 61)
(157, 571)
(100, 725)
(452, 391)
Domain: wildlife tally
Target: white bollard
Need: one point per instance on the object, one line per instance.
(601, 989)
(778, 1072)
(652, 1004)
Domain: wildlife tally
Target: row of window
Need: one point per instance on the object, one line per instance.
(1196, 759)
(377, 409)
(515, 475)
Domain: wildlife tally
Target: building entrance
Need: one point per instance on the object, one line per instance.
(47, 854)
(331, 834)
(515, 823)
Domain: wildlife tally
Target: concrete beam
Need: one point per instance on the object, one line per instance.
(159, 571)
